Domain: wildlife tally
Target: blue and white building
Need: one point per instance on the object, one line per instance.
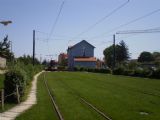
(81, 55)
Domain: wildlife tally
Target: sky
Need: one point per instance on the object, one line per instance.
(75, 18)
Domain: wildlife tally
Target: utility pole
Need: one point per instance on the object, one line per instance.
(33, 47)
(11, 57)
(114, 52)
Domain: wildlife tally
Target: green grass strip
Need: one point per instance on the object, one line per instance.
(43, 110)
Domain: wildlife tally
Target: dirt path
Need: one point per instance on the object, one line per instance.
(17, 110)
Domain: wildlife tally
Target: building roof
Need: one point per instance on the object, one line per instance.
(63, 55)
(90, 59)
(70, 47)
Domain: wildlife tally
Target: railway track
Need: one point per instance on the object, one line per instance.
(87, 103)
(84, 101)
(53, 100)
(74, 92)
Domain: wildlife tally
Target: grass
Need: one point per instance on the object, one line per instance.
(119, 97)
(43, 109)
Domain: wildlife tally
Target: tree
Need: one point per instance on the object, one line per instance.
(122, 53)
(145, 57)
(5, 49)
(156, 56)
(108, 55)
(27, 59)
(64, 62)
(45, 62)
(52, 63)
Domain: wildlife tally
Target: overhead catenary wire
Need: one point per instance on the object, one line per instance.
(54, 24)
(153, 30)
(56, 21)
(137, 32)
(102, 19)
(128, 23)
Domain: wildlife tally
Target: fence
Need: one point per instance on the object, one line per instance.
(3, 96)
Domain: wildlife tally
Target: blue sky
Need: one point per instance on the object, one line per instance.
(76, 17)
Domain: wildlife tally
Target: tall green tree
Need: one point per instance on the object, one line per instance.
(145, 57)
(122, 53)
(5, 49)
(108, 55)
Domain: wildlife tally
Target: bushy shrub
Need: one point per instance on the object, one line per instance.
(118, 71)
(81, 69)
(102, 71)
(105, 71)
(95, 70)
(61, 68)
(128, 72)
(138, 72)
(132, 65)
(12, 79)
(142, 72)
(75, 69)
(29, 69)
(91, 70)
(146, 73)
(156, 74)
(21, 75)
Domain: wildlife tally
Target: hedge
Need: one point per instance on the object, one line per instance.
(20, 75)
(12, 79)
(139, 72)
(156, 74)
(95, 70)
(118, 71)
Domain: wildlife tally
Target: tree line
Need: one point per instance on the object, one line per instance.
(5, 52)
(122, 54)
